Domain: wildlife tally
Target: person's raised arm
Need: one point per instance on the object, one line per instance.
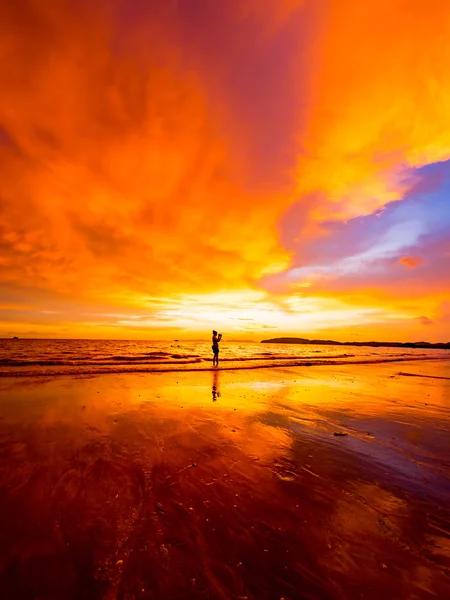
(220, 336)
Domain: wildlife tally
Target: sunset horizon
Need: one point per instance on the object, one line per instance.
(204, 337)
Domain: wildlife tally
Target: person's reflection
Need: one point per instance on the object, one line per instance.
(215, 386)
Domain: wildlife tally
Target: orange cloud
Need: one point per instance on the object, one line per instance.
(410, 262)
(380, 103)
(117, 176)
(135, 172)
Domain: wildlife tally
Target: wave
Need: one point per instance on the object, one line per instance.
(93, 363)
(99, 368)
(132, 360)
(146, 355)
(245, 358)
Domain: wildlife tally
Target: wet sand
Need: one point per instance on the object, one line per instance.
(228, 484)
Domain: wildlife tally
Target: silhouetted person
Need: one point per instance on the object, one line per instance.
(215, 347)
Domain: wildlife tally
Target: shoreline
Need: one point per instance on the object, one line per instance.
(289, 362)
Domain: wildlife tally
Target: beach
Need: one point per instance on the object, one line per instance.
(315, 482)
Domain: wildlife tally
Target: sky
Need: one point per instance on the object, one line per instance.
(261, 167)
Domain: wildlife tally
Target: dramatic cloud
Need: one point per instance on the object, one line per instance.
(265, 164)
(117, 171)
(379, 104)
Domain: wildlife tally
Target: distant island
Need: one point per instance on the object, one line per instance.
(295, 340)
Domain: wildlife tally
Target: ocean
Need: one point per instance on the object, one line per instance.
(31, 357)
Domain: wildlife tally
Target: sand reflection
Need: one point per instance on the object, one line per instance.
(110, 485)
